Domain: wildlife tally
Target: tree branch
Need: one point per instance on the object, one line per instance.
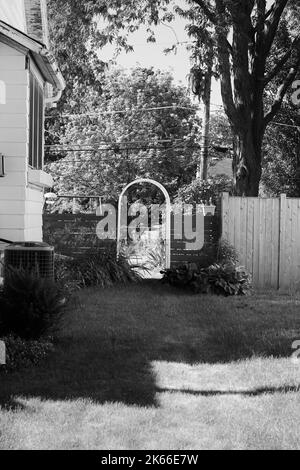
(272, 23)
(229, 47)
(224, 65)
(281, 92)
(269, 12)
(280, 64)
(209, 13)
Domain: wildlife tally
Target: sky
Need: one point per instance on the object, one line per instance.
(152, 54)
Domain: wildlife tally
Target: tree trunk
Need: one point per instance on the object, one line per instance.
(247, 168)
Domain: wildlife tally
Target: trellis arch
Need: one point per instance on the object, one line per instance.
(168, 214)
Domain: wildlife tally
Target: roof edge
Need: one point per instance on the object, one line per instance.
(44, 58)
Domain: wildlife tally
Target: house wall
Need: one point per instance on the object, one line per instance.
(20, 203)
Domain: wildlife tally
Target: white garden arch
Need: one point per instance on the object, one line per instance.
(168, 214)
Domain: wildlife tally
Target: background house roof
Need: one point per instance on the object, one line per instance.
(221, 167)
(37, 20)
(28, 16)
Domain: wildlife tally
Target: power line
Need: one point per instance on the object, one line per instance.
(106, 159)
(136, 156)
(132, 110)
(125, 111)
(137, 144)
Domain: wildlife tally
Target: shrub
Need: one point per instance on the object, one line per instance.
(226, 253)
(198, 191)
(228, 279)
(21, 353)
(225, 279)
(30, 306)
(96, 268)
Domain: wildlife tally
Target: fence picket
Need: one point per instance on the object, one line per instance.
(266, 233)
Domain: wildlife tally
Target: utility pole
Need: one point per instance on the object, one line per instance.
(206, 97)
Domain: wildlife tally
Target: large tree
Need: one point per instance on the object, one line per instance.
(251, 56)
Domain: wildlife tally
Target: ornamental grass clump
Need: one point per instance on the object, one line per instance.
(30, 306)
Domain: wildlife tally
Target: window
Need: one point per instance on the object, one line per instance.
(36, 123)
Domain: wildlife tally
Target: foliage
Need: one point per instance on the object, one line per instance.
(222, 279)
(199, 191)
(22, 353)
(73, 30)
(228, 279)
(220, 136)
(129, 142)
(226, 253)
(31, 306)
(281, 169)
(94, 268)
(79, 29)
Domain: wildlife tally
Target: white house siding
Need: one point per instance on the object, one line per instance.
(20, 205)
(34, 210)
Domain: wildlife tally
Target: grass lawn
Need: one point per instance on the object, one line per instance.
(148, 367)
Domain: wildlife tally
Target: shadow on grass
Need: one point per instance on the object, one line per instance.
(85, 369)
(117, 368)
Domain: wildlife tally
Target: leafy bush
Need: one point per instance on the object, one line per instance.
(226, 253)
(97, 268)
(225, 279)
(21, 353)
(30, 306)
(198, 191)
(228, 279)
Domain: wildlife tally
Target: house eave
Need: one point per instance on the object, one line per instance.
(49, 68)
(42, 56)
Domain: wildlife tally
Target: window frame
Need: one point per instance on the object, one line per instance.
(36, 119)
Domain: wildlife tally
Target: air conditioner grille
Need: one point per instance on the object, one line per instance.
(35, 258)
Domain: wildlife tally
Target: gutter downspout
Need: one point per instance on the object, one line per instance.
(52, 102)
(57, 76)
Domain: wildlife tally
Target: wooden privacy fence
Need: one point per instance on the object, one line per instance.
(180, 248)
(74, 234)
(266, 234)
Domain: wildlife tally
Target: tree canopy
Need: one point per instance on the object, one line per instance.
(126, 136)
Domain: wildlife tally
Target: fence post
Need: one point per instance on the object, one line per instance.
(281, 257)
(225, 216)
